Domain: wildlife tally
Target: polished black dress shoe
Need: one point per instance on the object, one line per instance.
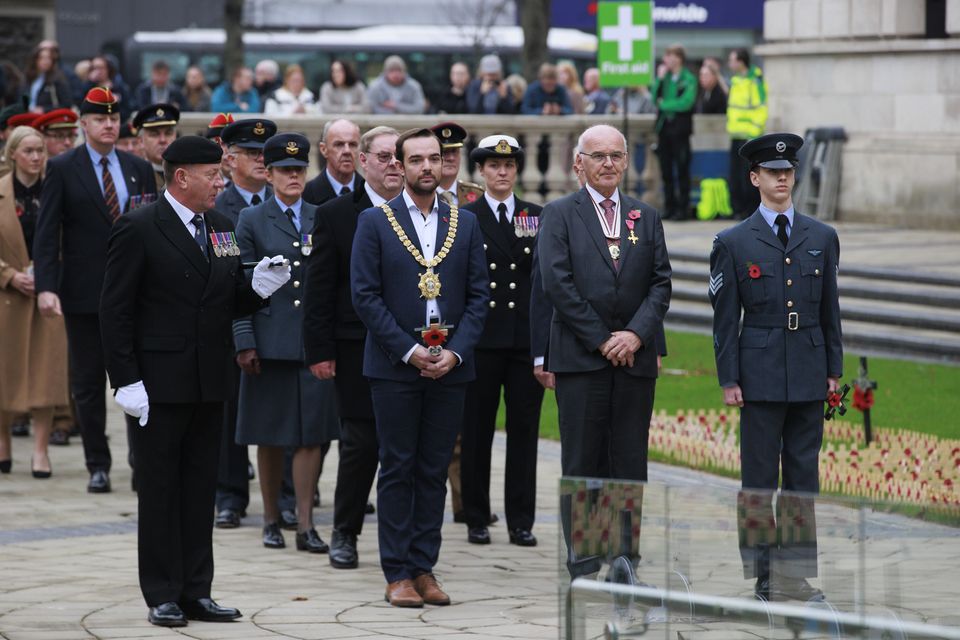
(272, 537)
(343, 550)
(40, 473)
(168, 614)
(288, 520)
(60, 438)
(5, 466)
(478, 535)
(99, 482)
(369, 508)
(227, 519)
(206, 610)
(523, 538)
(311, 541)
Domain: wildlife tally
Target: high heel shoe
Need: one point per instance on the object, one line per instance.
(5, 465)
(40, 474)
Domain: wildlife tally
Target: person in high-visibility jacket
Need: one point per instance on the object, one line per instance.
(746, 119)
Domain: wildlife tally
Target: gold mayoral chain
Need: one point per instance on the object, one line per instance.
(429, 281)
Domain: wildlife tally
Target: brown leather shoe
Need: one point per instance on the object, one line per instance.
(426, 585)
(402, 594)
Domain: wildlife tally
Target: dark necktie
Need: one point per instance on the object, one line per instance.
(292, 220)
(609, 212)
(109, 190)
(505, 224)
(781, 223)
(255, 200)
(344, 190)
(198, 235)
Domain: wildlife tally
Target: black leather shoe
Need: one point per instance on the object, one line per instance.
(523, 538)
(168, 614)
(288, 520)
(207, 610)
(99, 482)
(369, 508)
(272, 537)
(343, 550)
(60, 438)
(6, 465)
(478, 535)
(761, 590)
(311, 541)
(227, 519)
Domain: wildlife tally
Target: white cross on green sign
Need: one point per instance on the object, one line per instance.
(625, 43)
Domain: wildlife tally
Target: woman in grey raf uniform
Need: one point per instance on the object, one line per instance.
(281, 403)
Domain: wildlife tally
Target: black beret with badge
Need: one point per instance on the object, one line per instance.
(497, 146)
(287, 150)
(160, 114)
(452, 135)
(193, 150)
(248, 134)
(773, 151)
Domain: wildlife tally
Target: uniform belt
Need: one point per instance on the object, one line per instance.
(791, 321)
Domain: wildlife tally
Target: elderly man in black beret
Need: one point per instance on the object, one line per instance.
(174, 283)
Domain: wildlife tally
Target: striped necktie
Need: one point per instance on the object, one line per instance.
(110, 190)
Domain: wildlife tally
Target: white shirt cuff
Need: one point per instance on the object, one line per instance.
(538, 361)
(406, 357)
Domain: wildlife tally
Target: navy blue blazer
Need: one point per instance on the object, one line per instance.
(384, 279)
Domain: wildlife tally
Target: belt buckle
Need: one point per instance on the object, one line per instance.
(793, 321)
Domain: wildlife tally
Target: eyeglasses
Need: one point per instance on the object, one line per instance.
(253, 154)
(616, 156)
(62, 135)
(385, 157)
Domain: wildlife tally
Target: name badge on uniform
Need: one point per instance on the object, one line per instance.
(525, 225)
(306, 243)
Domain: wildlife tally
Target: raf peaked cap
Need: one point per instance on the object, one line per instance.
(497, 146)
(215, 128)
(248, 134)
(193, 150)
(56, 119)
(451, 135)
(156, 115)
(287, 150)
(99, 100)
(773, 151)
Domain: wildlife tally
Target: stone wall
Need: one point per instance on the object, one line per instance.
(860, 64)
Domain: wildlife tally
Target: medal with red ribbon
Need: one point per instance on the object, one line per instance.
(434, 335)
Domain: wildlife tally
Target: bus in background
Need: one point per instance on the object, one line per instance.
(428, 51)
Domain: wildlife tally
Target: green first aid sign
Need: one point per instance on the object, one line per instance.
(625, 43)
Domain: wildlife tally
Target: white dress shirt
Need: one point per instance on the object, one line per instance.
(375, 197)
(426, 229)
(495, 204)
(185, 214)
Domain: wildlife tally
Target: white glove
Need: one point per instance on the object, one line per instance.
(267, 279)
(133, 400)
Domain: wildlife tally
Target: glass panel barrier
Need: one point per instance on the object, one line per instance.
(698, 561)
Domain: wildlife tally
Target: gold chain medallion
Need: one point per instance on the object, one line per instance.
(429, 284)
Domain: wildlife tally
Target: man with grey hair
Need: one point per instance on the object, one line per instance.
(604, 265)
(394, 91)
(339, 151)
(488, 93)
(266, 78)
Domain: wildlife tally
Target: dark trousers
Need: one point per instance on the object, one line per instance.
(777, 542)
(781, 433)
(417, 425)
(176, 456)
(88, 385)
(744, 197)
(674, 153)
(355, 472)
(511, 371)
(604, 423)
(233, 480)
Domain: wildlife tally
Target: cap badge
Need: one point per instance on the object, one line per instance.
(781, 146)
(258, 129)
(292, 148)
(159, 113)
(445, 133)
(502, 147)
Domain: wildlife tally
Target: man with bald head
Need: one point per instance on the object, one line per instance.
(605, 269)
(340, 149)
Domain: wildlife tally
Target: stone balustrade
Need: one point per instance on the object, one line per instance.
(549, 142)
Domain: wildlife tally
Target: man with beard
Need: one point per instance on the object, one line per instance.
(333, 335)
(339, 147)
(420, 286)
(157, 126)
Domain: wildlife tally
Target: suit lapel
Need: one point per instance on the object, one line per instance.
(763, 232)
(588, 214)
(307, 216)
(491, 226)
(174, 230)
(88, 179)
(216, 266)
(279, 218)
(798, 234)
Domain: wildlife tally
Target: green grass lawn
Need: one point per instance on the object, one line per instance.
(910, 395)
